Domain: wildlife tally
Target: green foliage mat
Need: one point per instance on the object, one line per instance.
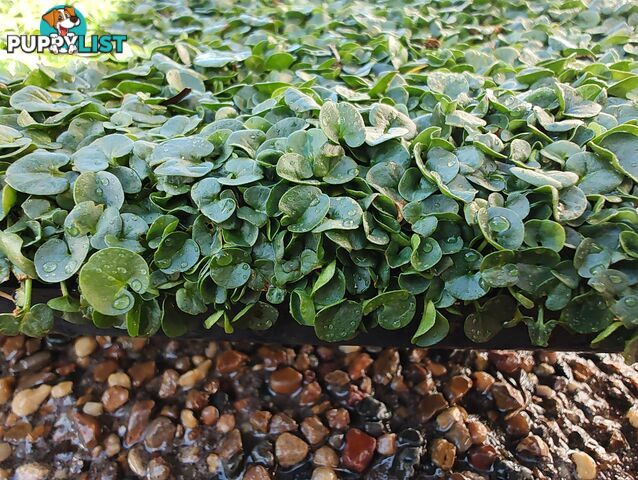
(345, 161)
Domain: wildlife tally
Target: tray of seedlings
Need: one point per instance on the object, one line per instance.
(382, 183)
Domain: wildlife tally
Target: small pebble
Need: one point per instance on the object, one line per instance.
(443, 454)
(5, 451)
(6, 389)
(585, 465)
(119, 379)
(94, 409)
(387, 444)
(188, 419)
(314, 430)
(632, 416)
(230, 361)
(158, 469)
(285, 381)
(290, 449)
(325, 457)
(28, 401)
(136, 462)
(114, 397)
(226, 423)
(209, 415)
(359, 450)
(324, 473)
(85, 346)
(256, 472)
(62, 389)
(112, 445)
(32, 471)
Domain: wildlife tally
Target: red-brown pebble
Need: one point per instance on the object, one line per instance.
(359, 450)
(114, 397)
(285, 381)
(230, 361)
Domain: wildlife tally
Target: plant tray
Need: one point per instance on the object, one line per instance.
(288, 331)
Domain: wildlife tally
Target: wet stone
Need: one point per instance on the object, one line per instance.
(457, 387)
(103, 369)
(338, 418)
(443, 454)
(532, 447)
(314, 430)
(260, 420)
(325, 457)
(168, 385)
(290, 450)
(483, 457)
(517, 424)
(158, 469)
(429, 406)
(386, 365)
(358, 451)
(230, 361)
(88, 429)
(159, 434)
(32, 471)
(507, 397)
(256, 472)
(114, 397)
(28, 401)
(281, 423)
(230, 445)
(142, 372)
(285, 381)
(387, 444)
(138, 420)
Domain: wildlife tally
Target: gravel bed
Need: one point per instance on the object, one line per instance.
(112, 408)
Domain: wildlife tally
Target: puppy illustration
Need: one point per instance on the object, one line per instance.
(62, 19)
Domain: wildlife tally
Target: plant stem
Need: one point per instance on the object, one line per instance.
(64, 289)
(28, 283)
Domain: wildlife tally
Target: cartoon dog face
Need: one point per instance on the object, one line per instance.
(62, 19)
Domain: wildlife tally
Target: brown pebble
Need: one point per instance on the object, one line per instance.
(260, 420)
(448, 418)
(5, 451)
(290, 449)
(6, 389)
(285, 381)
(104, 369)
(325, 457)
(387, 444)
(112, 445)
(443, 454)
(386, 366)
(310, 394)
(482, 381)
(457, 387)
(338, 418)
(230, 361)
(114, 397)
(88, 429)
(158, 469)
(505, 361)
(359, 450)
(159, 434)
(429, 406)
(483, 457)
(256, 472)
(62, 389)
(507, 397)
(136, 462)
(196, 400)
(324, 473)
(517, 424)
(532, 447)
(119, 379)
(478, 432)
(226, 423)
(213, 462)
(314, 430)
(28, 401)
(32, 471)
(281, 423)
(210, 415)
(138, 420)
(95, 409)
(188, 419)
(142, 372)
(359, 366)
(85, 346)
(230, 445)
(168, 384)
(585, 465)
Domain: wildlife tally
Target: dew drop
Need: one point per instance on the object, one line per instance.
(183, 265)
(245, 266)
(73, 231)
(471, 256)
(49, 267)
(348, 223)
(136, 285)
(104, 181)
(99, 191)
(122, 302)
(615, 279)
(499, 224)
(427, 247)
(121, 270)
(596, 268)
(70, 267)
(631, 302)
(352, 213)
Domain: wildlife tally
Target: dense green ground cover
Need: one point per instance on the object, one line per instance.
(345, 160)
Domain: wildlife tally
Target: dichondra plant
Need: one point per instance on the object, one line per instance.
(334, 162)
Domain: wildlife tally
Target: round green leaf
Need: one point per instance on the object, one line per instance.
(106, 277)
(338, 322)
(38, 173)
